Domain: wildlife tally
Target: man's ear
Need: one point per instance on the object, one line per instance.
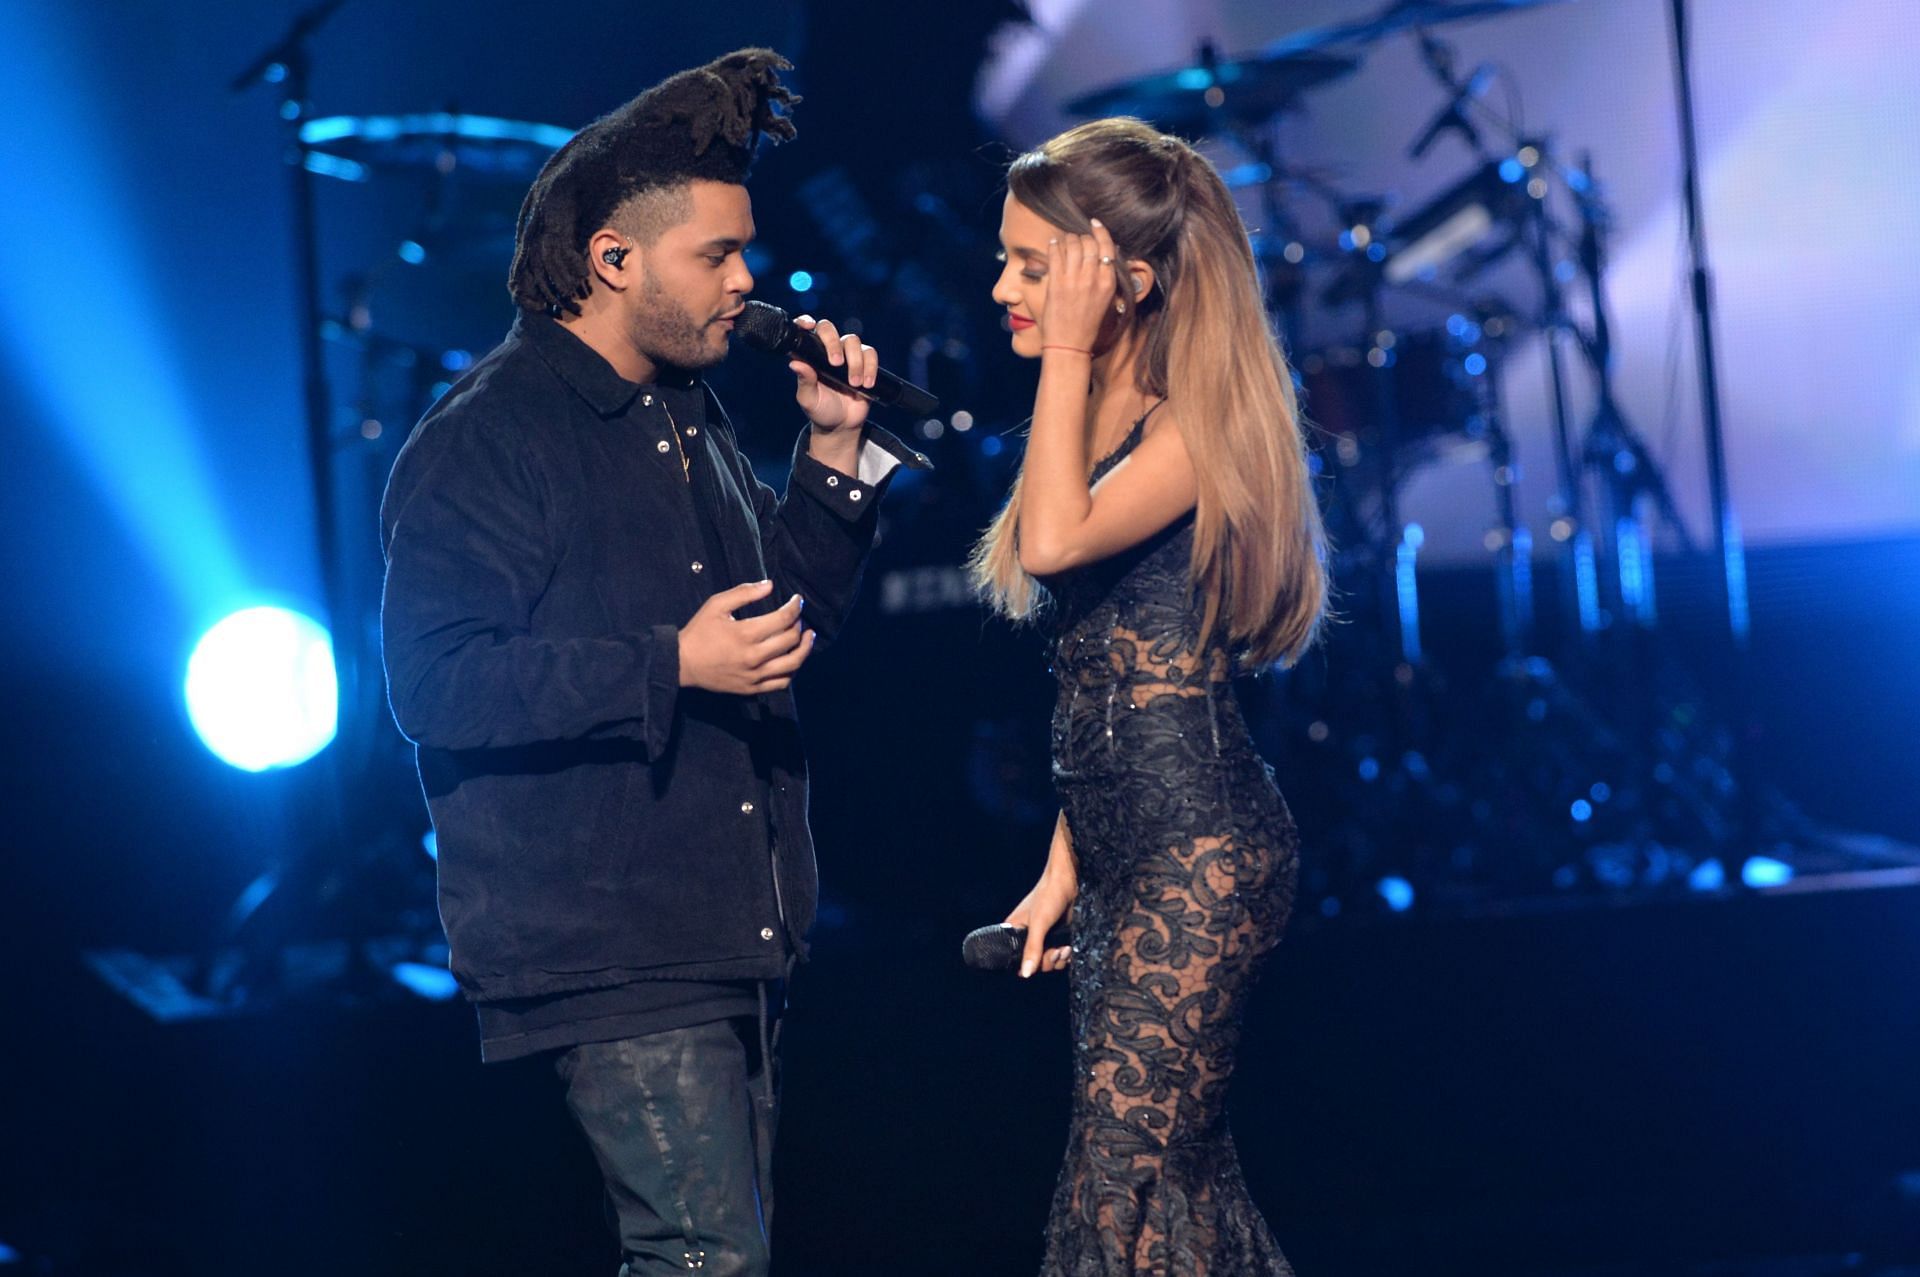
(608, 256)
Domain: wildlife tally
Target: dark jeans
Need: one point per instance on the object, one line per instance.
(682, 1125)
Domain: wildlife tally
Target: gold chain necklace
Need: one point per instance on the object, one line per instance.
(686, 466)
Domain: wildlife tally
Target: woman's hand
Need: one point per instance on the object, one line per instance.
(1082, 275)
(1047, 904)
(1039, 912)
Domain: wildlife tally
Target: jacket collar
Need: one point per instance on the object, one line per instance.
(582, 367)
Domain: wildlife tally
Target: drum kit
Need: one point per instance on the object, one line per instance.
(1386, 403)
(1422, 778)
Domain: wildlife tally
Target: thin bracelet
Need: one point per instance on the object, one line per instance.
(1075, 349)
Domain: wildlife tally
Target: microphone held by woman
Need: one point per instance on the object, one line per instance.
(998, 948)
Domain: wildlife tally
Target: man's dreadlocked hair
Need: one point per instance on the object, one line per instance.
(702, 124)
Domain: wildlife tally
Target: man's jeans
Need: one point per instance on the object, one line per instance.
(682, 1125)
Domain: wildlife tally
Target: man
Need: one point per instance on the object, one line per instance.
(593, 615)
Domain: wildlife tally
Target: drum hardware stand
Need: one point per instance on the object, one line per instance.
(1612, 446)
(1285, 278)
(1513, 556)
(1630, 473)
(1580, 586)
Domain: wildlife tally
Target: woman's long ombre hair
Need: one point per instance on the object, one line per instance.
(1258, 546)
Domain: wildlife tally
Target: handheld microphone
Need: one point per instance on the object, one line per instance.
(769, 328)
(998, 948)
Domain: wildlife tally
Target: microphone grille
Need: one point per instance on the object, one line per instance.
(762, 325)
(995, 948)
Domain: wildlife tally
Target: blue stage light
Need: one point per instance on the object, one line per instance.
(1582, 810)
(992, 446)
(1397, 892)
(140, 434)
(800, 281)
(1708, 875)
(412, 252)
(436, 984)
(337, 167)
(261, 689)
(1765, 871)
(1407, 590)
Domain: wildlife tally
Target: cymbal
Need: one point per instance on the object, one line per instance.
(351, 146)
(1402, 15)
(1216, 92)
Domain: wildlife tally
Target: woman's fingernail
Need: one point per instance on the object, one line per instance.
(1096, 221)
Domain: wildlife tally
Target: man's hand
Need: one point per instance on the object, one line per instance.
(858, 364)
(742, 657)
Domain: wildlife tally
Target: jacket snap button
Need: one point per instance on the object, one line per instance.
(833, 481)
(766, 933)
(662, 446)
(646, 401)
(692, 431)
(747, 808)
(854, 495)
(699, 567)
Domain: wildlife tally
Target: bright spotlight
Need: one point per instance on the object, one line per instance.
(261, 689)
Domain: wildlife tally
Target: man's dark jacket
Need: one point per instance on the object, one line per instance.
(596, 823)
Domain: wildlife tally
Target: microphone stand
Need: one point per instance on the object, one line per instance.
(288, 64)
(309, 873)
(1730, 580)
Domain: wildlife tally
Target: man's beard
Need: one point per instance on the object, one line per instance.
(667, 334)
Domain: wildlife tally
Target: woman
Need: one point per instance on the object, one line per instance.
(1165, 523)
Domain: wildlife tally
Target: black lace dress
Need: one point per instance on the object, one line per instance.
(1187, 861)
